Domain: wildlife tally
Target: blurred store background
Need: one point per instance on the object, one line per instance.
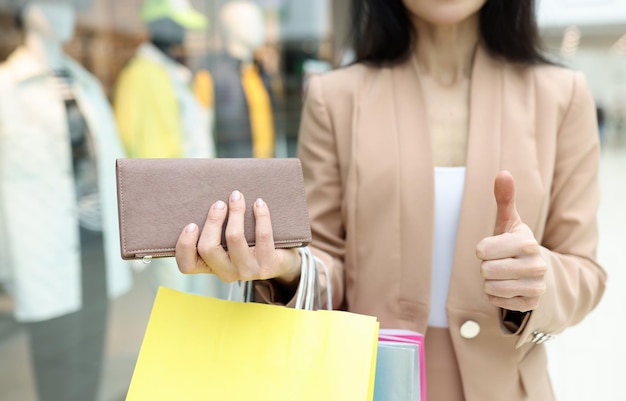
(590, 35)
(299, 38)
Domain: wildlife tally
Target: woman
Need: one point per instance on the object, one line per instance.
(451, 176)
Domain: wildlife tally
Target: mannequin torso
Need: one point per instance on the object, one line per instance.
(243, 106)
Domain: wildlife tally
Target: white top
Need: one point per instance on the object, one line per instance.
(35, 170)
(449, 184)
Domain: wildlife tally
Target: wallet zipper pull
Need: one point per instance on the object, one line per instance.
(147, 258)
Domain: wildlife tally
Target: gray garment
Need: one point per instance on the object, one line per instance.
(84, 157)
(233, 132)
(67, 351)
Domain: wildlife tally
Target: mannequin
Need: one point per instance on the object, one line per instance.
(158, 115)
(243, 101)
(48, 27)
(57, 143)
(156, 112)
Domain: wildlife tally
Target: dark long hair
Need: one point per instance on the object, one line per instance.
(382, 31)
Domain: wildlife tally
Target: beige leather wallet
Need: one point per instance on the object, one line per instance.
(157, 198)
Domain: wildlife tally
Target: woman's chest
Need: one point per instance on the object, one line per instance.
(447, 111)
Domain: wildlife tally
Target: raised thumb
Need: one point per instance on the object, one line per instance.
(504, 190)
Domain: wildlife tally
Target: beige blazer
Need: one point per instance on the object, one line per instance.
(367, 161)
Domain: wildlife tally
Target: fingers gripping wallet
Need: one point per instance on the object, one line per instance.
(157, 198)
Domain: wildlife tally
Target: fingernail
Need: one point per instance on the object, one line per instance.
(235, 196)
(219, 205)
(191, 228)
(259, 202)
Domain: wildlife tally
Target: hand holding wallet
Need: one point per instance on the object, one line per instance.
(157, 198)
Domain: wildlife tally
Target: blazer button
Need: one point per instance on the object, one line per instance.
(470, 329)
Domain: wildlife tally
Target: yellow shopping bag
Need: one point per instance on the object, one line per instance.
(201, 348)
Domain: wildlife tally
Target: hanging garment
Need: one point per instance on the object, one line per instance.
(39, 211)
(244, 110)
(156, 111)
(260, 110)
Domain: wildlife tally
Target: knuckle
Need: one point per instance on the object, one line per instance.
(204, 249)
(184, 268)
(480, 251)
(265, 272)
(486, 269)
(499, 269)
(247, 275)
(227, 277)
(264, 235)
(538, 290)
(233, 234)
(488, 287)
(530, 247)
(185, 245)
(538, 268)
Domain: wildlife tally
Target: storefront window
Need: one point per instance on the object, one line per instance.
(83, 82)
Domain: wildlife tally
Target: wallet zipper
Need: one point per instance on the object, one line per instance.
(148, 257)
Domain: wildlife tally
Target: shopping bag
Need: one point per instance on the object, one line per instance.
(400, 366)
(202, 348)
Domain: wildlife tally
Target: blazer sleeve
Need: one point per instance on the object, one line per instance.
(317, 151)
(575, 282)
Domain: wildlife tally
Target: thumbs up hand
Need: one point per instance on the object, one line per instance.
(512, 266)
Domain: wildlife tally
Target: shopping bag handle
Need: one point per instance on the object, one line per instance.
(309, 287)
(245, 289)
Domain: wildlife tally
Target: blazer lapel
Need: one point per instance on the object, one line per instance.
(416, 183)
(393, 167)
(483, 164)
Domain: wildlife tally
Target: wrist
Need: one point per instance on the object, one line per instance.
(289, 280)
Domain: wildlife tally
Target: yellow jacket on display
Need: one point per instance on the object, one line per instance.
(147, 112)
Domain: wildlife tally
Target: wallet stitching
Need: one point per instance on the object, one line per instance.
(122, 221)
(152, 250)
(306, 208)
(286, 241)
